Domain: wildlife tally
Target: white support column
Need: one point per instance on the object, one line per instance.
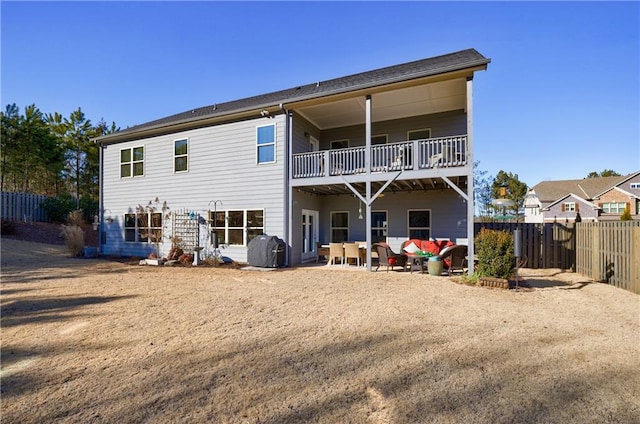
(470, 193)
(367, 164)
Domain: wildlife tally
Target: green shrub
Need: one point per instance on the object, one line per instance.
(58, 208)
(494, 251)
(89, 208)
(626, 215)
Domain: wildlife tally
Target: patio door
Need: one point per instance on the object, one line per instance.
(309, 234)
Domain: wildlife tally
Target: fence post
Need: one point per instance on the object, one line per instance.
(595, 253)
(634, 264)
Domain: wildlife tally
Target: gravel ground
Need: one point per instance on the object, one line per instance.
(92, 340)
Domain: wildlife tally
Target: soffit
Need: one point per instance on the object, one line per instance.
(441, 96)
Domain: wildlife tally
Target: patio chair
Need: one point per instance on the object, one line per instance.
(457, 256)
(321, 251)
(336, 250)
(388, 257)
(352, 251)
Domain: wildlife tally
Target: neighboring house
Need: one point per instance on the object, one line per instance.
(564, 200)
(384, 155)
(626, 194)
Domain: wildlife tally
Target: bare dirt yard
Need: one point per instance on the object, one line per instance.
(97, 340)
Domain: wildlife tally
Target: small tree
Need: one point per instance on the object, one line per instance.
(626, 215)
(495, 253)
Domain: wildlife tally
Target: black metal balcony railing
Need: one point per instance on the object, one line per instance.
(444, 152)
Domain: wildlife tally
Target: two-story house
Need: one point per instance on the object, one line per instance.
(588, 199)
(383, 155)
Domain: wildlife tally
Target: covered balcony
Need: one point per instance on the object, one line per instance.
(413, 155)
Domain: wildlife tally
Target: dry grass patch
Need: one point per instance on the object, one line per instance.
(97, 341)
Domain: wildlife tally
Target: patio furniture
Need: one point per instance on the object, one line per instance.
(457, 256)
(352, 251)
(321, 251)
(336, 250)
(416, 263)
(388, 257)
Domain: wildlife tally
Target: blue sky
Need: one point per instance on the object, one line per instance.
(560, 98)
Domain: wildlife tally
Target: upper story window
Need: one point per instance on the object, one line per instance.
(132, 162)
(339, 144)
(614, 207)
(180, 155)
(419, 224)
(379, 139)
(419, 134)
(634, 185)
(569, 207)
(266, 143)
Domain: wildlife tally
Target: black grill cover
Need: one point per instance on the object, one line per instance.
(266, 251)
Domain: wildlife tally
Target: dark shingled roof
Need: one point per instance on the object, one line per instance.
(420, 68)
(587, 188)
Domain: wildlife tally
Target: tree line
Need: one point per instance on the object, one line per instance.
(51, 154)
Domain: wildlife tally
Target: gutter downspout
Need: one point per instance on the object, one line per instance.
(101, 229)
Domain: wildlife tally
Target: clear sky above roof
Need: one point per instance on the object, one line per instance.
(561, 97)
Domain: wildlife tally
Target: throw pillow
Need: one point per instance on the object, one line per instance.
(411, 248)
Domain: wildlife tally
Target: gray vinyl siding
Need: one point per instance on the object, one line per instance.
(222, 165)
(555, 212)
(441, 125)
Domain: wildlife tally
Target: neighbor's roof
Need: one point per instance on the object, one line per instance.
(451, 62)
(586, 188)
(573, 196)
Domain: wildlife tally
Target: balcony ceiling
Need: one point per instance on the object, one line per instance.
(431, 98)
(398, 186)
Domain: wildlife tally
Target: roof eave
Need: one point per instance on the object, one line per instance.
(200, 121)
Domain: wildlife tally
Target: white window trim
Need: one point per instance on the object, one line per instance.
(569, 206)
(131, 162)
(245, 227)
(634, 185)
(331, 227)
(417, 130)
(339, 141)
(136, 228)
(419, 228)
(177, 156)
(275, 147)
(385, 227)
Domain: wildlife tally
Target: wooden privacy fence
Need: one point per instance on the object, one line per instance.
(549, 245)
(610, 252)
(603, 251)
(23, 207)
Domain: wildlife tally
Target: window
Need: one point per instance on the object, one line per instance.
(180, 160)
(339, 144)
(419, 224)
(266, 143)
(569, 207)
(132, 162)
(379, 139)
(419, 134)
(634, 185)
(378, 226)
(339, 226)
(237, 227)
(143, 227)
(614, 207)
